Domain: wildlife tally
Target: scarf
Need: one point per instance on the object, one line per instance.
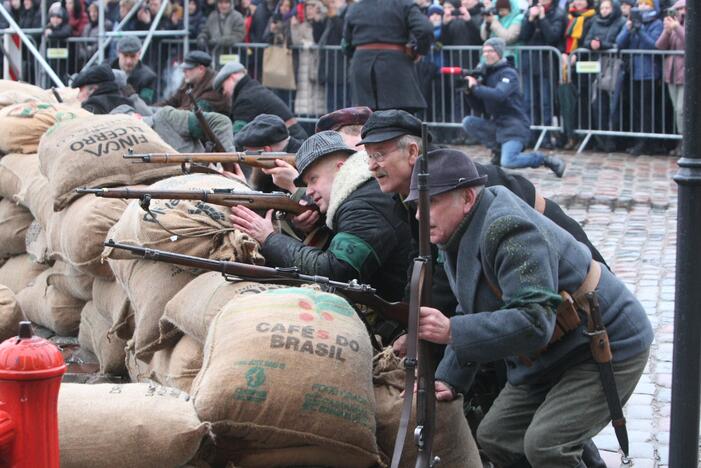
(575, 27)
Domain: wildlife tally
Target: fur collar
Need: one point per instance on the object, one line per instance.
(351, 176)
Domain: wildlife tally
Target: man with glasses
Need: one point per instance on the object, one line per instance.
(498, 94)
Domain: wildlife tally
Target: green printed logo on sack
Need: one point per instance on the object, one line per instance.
(255, 378)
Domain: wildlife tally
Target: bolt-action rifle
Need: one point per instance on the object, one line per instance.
(212, 143)
(278, 201)
(353, 291)
(420, 362)
(249, 158)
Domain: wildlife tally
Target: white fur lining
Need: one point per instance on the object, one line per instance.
(350, 176)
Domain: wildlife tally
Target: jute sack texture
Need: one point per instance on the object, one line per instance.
(188, 227)
(35, 194)
(192, 309)
(126, 426)
(19, 271)
(453, 441)
(47, 306)
(287, 380)
(36, 244)
(88, 152)
(111, 300)
(14, 223)
(10, 313)
(149, 286)
(22, 125)
(71, 281)
(177, 366)
(94, 336)
(16, 170)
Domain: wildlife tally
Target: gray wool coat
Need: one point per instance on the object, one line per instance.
(506, 243)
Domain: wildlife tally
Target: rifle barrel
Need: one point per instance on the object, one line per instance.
(251, 158)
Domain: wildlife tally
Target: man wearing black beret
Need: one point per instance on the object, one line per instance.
(198, 76)
(97, 91)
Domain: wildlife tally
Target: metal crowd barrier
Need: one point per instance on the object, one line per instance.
(627, 106)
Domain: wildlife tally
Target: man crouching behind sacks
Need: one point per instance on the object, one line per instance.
(509, 268)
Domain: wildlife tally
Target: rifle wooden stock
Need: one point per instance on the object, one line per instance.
(352, 291)
(222, 197)
(249, 158)
(206, 129)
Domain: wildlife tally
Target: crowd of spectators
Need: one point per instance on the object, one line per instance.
(322, 85)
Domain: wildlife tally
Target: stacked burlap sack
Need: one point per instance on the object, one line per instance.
(14, 92)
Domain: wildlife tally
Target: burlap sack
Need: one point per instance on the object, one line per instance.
(10, 313)
(20, 86)
(35, 195)
(80, 230)
(8, 98)
(87, 152)
(149, 286)
(453, 441)
(71, 281)
(14, 223)
(192, 309)
(126, 426)
(93, 335)
(19, 271)
(47, 306)
(177, 366)
(201, 229)
(111, 301)
(36, 245)
(287, 380)
(23, 124)
(16, 170)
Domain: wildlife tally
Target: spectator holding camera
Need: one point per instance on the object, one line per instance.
(673, 38)
(502, 20)
(58, 27)
(641, 31)
(461, 24)
(543, 25)
(506, 130)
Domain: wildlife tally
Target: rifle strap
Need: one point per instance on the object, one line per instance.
(417, 280)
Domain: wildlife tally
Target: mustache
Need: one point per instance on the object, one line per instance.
(379, 173)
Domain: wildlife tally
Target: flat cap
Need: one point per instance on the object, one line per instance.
(129, 45)
(342, 117)
(448, 169)
(195, 58)
(316, 147)
(226, 71)
(264, 130)
(388, 124)
(93, 75)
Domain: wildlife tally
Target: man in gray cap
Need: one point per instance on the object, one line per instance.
(248, 98)
(369, 242)
(224, 28)
(199, 77)
(139, 75)
(97, 90)
(507, 130)
(522, 285)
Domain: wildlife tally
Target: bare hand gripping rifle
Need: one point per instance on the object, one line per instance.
(278, 201)
(353, 291)
(420, 358)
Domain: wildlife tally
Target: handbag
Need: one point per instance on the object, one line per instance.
(611, 68)
(278, 68)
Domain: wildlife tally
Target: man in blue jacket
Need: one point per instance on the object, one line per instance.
(510, 268)
(508, 128)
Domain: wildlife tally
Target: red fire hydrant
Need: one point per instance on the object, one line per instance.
(30, 376)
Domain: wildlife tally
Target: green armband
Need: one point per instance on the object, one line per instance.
(352, 249)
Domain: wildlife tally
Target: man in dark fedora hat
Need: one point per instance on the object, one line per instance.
(514, 273)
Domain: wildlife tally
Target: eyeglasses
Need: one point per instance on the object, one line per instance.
(379, 157)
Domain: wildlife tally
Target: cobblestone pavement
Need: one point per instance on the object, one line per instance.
(628, 207)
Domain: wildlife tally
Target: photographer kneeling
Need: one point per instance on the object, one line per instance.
(499, 95)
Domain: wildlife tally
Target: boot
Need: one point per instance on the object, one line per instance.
(555, 164)
(496, 158)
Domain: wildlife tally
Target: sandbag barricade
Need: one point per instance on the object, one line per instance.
(111, 301)
(36, 196)
(47, 306)
(10, 313)
(287, 380)
(193, 308)
(22, 125)
(453, 441)
(71, 281)
(126, 426)
(36, 244)
(14, 223)
(16, 170)
(17, 272)
(88, 152)
(94, 336)
(189, 227)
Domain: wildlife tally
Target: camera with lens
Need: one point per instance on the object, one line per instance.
(671, 12)
(636, 18)
(489, 11)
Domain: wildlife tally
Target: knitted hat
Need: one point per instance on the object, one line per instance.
(497, 44)
(435, 9)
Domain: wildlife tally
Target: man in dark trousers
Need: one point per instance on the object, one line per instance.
(384, 38)
(199, 77)
(98, 93)
(139, 75)
(510, 268)
(249, 98)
